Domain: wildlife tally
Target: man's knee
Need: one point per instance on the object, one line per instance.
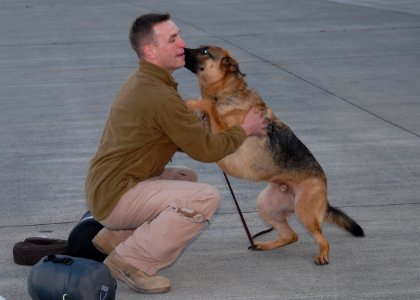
(204, 200)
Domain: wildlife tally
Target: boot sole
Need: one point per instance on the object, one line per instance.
(116, 273)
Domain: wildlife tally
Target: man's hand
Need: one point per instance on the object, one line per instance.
(255, 123)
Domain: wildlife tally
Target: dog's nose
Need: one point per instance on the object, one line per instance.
(190, 61)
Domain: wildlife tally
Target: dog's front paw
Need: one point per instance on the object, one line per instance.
(191, 104)
(321, 260)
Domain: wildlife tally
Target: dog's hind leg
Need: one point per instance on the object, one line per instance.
(275, 203)
(310, 206)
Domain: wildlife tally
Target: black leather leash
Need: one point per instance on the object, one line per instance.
(248, 233)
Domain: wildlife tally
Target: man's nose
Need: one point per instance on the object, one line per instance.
(181, 43)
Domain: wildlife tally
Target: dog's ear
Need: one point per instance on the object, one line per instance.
(230, 64)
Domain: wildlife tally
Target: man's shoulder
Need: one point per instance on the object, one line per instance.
(141, 91)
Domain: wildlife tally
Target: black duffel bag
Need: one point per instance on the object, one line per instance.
(71, 278)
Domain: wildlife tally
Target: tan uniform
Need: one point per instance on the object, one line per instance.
(147, 124)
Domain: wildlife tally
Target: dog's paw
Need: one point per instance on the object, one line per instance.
(261, 246)
(321, 260)
(253, 248)
(192, 104)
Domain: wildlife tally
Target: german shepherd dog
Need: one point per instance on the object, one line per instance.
(296, 181)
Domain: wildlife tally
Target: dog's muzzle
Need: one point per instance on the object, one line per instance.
(190, 60)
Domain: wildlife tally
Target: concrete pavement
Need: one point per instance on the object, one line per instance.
(344, 76)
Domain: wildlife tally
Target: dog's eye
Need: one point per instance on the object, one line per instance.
(205, 51)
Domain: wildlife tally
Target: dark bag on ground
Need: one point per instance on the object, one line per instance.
(70, 278)
(80, 238)
(32, 249)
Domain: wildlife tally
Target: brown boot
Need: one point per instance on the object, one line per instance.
(107, 240)
(135, 278)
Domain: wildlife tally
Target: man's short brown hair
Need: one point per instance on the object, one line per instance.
(141, 32)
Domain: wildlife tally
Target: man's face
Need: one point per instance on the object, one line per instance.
(168, 46)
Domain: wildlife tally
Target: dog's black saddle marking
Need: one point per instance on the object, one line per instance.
(289, 152)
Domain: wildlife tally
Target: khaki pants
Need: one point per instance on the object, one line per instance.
(156, 218)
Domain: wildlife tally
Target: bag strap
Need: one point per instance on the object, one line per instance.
(59, 260)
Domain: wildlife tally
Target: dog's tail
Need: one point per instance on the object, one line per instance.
(336, 216)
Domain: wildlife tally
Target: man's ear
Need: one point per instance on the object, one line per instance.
(149, 51)
(231, 64)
